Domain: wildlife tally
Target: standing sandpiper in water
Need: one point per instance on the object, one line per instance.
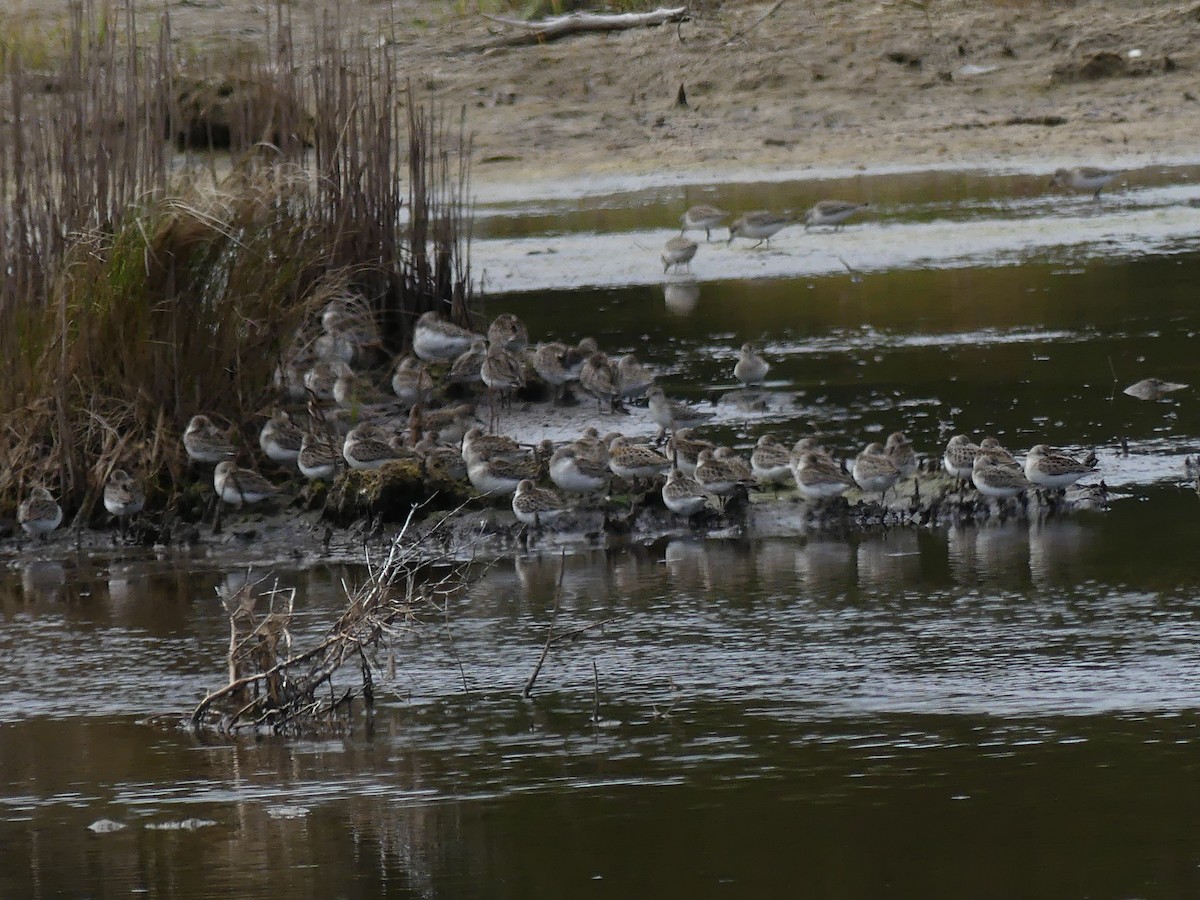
(751, 368)
(706, 217)
(1083, 179)
(678, 252)
(832, 212)
(760, 225)
(1048, 469)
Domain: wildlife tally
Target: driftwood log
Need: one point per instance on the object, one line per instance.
(555, 27)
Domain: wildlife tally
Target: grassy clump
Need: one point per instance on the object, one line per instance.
(138, 292)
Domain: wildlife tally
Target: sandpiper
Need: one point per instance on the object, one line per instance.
(1153, 388)
(500, 476)
(318, 458)
(995, 448)
(368, 447)
(959, 457)
(436, 340)
(320, 379)
(236, 485)
(738, 467)
(684, 450)
(576, 472)
(900, 450)
(751, 368)
(411, 382)
(682, 495)
(832, 212)
(1048, 469)
(760, 225)
(548, 363)
(874, 470)
(677, 252)
(706, 217)
(819, 478)
(633, 377)
(771, 462)
(352, 390)
(671, 414)
(721, 477)
(508, 332)
(1084, 179)
(478, 446)
(807, 445)
(632, 461)
(591, 445)
(450, 424)
(205, 442)
(503, 373)
(40, 514)
(281, 438)
(123, 496)
(992, 477)
(599, 377)
(575, 357)
(536, 506)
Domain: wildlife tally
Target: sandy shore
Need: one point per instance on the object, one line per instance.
(819, 85)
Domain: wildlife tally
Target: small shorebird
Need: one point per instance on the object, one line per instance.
(751, 368)
(509, 332)
(318, 458)
(632, 461)
(721, 476)
(993, 478)
(819, 478)
(760, 225)
(536, 506)
(874, 471)
(771, 462)
(1048, 469)
(1084, 179)
(320, 379)
(468, 365)
(671, 414)
(504, 374)
(205, 442)
(411, 382)
(450, 424)
(368, 447)
(599, 377)
(578, 472)
(436, 340)
(633, 377)
(832, 212)
(959, 457)
(682, 495)
(40, 514)
(236, 485)
(805, 446)
(575, 357)
(1153, 388)
(900, 450)
(706, 217)
(999, 451)
(548, 363)
(678, 252)
(123, 496)
(478, 446)
(501, 476)
(281, 438)
(684, 450)
(352, 390)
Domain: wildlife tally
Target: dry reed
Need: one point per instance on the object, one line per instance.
(138, 291)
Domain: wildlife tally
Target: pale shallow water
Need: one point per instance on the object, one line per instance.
(1000, 711)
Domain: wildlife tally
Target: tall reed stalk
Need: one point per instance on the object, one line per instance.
(146, 279)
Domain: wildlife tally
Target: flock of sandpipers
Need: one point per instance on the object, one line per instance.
(353, 420)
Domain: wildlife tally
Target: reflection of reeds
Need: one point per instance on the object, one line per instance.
(134, 294)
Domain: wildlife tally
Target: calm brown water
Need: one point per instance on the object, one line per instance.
(995, 712)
